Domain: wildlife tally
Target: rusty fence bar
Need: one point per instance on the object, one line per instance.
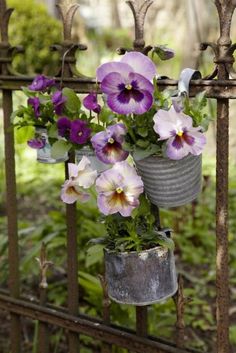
(90, 327)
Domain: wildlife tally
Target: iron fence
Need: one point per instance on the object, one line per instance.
(218, 86)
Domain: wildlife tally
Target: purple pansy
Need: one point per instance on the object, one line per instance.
(108, 144)
(58, 101)
(182, 138)
(91, 103)
(63, 126)
(79, 132)
(127, 83)
(119, 189)
(41, 83)
(37, 143)
(35, 103)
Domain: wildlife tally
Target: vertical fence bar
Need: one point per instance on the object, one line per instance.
(142, 321)
(11, 200)
(72, 268)
(11, 206)
(223, 59)
(222, 272)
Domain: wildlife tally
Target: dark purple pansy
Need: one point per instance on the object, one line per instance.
(37, 143)
(64, 126)
(91, 103)
(35, 103)
(108, 144)
(79, 132)
(58, 101)
(41, 83)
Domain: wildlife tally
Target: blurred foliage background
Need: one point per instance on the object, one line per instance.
(180, 25)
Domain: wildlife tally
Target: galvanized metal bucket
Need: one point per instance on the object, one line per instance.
(44, 154)
(170, 183)
(140, 278)
(95, 162)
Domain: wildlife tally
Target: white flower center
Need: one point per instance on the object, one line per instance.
(80, 133)
(180, 133)
(128, 86)
(119, 190)
(111, 140)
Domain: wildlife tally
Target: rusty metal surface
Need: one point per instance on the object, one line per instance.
(90, 327)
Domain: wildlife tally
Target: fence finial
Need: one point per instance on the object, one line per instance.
(139, 12)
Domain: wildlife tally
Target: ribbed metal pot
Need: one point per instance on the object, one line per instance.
(140, 278)
(95, 162)
(44, 154)
(170, 183)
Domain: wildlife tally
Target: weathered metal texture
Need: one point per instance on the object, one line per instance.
(44, 154)
(170, 183)
(11, 200)
(95, 162)
(72, 266)
(90, 327)
(225, 89)
(140, 278)
(224, 60)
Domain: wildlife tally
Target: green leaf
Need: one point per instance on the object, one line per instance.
(53, 131)
(60, 148)
(140, 154)
(73, 103)
(23, 134)
(94, 254)
(163, 240)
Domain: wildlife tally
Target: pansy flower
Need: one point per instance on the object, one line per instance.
(182, 138)
(108, 144)
(91, 103)
(119, 189)
(35, 103)
(63, 126)
(58, 101)
(81, 177)
(41, 83)
(37, 143)
(79, 132)
(127, 83)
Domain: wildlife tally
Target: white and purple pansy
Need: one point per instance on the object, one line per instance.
(177, 128)
(119, 189)
(81, 177)
(108, 144)
(127, 83)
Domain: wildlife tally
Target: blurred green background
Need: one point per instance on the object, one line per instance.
(104, 26)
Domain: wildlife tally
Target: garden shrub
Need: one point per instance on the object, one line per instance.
(33, 28)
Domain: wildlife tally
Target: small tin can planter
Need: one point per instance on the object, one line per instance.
(95, 162)
(171, 183)
(44, 154)
(140, 278)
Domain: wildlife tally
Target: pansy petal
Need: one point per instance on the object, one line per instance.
(167, 123)
(112, 83)
(120, 106)
(105, 182)
(71, 193)
(72, 170)
(140, 64)
(140, 82)
(114, 66)
(199, 142)
(99, 139)
(111, 154)
(117, 131)
(175, 152)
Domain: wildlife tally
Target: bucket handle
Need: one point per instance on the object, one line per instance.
(186, 76)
